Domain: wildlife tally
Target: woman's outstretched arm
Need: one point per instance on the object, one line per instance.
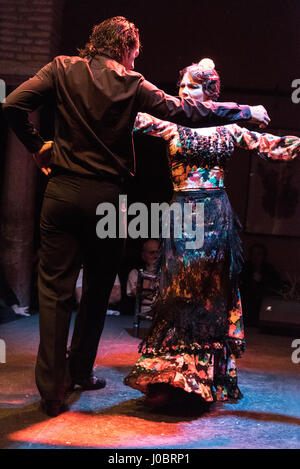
(150, 125)
(267, 145)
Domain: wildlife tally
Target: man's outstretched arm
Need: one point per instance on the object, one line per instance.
(193, 113)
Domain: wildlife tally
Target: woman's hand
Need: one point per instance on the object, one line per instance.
(259, 116)
(44, 156)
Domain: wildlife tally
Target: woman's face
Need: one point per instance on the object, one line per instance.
(189, 88)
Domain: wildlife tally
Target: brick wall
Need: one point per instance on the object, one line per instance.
(29, 38)
(30, 33)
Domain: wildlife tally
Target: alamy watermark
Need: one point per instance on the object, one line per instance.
(2, 91)
(186, 221)
(296, 93)
(296, 353)
(2, 351)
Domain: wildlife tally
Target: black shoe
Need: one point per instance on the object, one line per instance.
(53, 408)
(90, 384)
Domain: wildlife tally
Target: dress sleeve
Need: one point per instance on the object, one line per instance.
(268, 146)
(150, 125)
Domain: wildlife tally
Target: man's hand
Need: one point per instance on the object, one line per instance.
(43, 157)
(259, 116)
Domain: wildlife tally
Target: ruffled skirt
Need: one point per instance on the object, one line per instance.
(197, 331)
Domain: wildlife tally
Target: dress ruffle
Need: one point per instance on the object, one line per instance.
(197, 330)
(199, 301)
(210, 374)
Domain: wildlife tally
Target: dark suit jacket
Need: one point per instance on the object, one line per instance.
(96, 102)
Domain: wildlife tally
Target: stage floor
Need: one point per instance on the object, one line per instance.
(268, 416)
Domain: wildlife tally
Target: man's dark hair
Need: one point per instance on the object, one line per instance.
(115, 36)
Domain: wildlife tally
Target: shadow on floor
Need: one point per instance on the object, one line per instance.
(18, 417)
(136, 408)
(262, 416)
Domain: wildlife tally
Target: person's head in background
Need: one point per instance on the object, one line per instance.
(116, 37)
(258, 254)
(150, 253)
(199, 81)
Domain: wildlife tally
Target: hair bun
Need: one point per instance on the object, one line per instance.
(207, 64)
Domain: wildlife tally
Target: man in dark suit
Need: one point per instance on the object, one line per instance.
(97, 97)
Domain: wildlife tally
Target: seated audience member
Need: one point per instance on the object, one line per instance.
(114, 299)
(149, 256)
(257, 280)
(9, 299)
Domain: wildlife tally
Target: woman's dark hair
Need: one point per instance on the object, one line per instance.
(115, 36)
(205, 74)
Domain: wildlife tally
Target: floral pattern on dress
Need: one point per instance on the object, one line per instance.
(190, 170)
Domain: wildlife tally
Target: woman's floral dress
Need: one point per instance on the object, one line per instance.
(197, 331)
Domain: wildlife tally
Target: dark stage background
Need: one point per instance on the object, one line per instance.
(255, 45)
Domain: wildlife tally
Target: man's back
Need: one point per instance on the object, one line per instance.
(95, 104)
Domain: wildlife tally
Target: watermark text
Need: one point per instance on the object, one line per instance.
(2, 91)
(184, 222)
(296, 93)
(2, 351)
(296, 353)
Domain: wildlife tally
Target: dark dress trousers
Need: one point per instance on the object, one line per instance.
(96, 102)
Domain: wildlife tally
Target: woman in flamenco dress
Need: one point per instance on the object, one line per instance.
(197, 330)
